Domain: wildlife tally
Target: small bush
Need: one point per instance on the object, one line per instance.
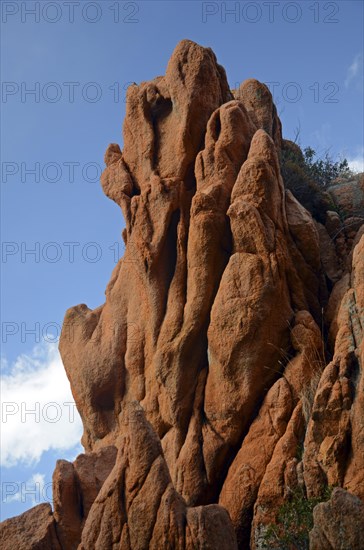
(295, 521)
(308, 179)
(324, 171)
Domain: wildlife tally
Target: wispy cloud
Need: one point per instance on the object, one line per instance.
(322, 138)
(355, 71)
(38, 412)
(35, 488)
(356, 164)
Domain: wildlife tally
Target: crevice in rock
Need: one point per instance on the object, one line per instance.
(160, 110)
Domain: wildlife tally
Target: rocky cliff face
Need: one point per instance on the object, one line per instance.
(222, 382)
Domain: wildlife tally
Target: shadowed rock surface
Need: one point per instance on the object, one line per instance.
(225, 369)
(338, 523)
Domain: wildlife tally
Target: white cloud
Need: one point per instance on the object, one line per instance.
(355, 70)
(356, 164)
(37, 411)
(355, 158)
(34, 490)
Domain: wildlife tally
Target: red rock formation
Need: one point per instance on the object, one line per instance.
(33, 529)
(202, 381)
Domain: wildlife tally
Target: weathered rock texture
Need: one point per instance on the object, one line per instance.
(220, 375)
(338, 523)
(33, 529)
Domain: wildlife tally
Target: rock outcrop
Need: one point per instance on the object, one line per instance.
(224, 372)
(348, 197)
(338, 523)
(36, 529)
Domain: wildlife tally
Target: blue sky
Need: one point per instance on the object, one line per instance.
(53, 142)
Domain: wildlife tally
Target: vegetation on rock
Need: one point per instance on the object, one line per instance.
(294, 522)
(309, 177)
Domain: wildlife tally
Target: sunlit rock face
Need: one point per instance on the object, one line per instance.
(224, 371)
